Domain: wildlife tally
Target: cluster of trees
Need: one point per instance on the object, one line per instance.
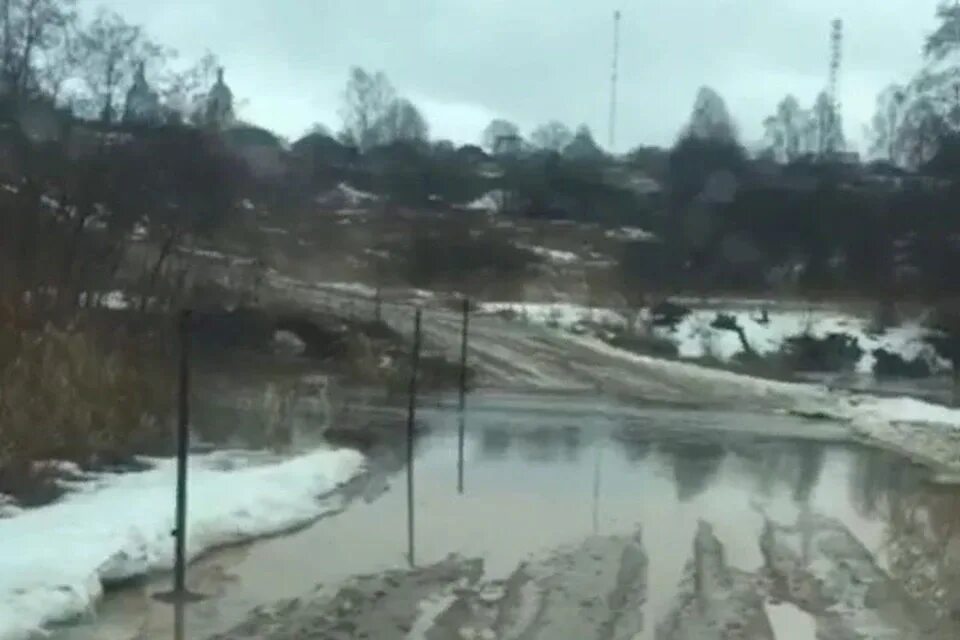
(48, 52)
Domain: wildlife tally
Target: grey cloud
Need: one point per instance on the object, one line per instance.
(535, 60)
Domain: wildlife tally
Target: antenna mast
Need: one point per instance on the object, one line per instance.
(613, 80)
(836, 59)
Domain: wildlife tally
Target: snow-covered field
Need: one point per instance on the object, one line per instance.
(557, 315)
(55, 560)
(695, 338)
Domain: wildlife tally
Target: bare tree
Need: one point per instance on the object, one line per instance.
(825, 130)
(583, 146)
(710, 119)
(887, 124)
(111, 50)
(403, 122)
(184, 92)
(785, 130)
(497, 132)
(366, 102)
(552, 136)
(29, 30)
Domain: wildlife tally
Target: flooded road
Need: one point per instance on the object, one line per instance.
(546, 473)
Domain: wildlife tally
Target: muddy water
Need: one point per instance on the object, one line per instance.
(540, 473)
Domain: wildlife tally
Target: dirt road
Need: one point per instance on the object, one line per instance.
(522, 358)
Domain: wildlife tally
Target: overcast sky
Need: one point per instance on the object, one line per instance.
(465, 62)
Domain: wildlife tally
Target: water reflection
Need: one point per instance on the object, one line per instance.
(923, 545)
(694, 466)
(538, 482)
(542, 444)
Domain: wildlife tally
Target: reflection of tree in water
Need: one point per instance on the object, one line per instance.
(571, 442)
(543, 444)
(877, 477)
(776, 465)
(633, 444)
(539, 444)
(694, 465)
(809, 459)
(495, 442)
(923, 548)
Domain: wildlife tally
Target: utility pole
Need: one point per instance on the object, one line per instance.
(613, 80)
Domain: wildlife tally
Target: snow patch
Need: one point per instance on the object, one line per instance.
(355, 288)
(490, 201)
(632, 234)
(553, 255)
(558, 315)
(696, 338)
(790, 622)
(56, 559)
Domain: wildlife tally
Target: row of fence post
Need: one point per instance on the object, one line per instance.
(180, 594)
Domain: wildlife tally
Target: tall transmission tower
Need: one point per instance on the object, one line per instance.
(613, 80)
(836, 60)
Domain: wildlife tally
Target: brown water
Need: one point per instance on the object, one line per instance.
(540, 473)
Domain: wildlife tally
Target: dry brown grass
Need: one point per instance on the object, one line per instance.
(65, 396)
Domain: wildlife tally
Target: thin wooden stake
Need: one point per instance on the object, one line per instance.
(411, 421)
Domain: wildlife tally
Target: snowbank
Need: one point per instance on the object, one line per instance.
(631, 234)
(489, 202)
(553, 255)
(695, 338)
(559, 315)
(355, 288)
(922, 431)
(56, 559)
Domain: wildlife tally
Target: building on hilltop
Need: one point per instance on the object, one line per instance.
(143, 103)
(219, 112)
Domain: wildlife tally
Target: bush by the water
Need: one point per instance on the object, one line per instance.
(645, 344)
(833, 352)
(668, 314)
(893, 365)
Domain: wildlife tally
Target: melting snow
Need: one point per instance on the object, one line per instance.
(490, 201)
(695, 338)
(56, 559)
(791, 623)
(553, 255)
(560, 315)
(635, 234)
(356, 288)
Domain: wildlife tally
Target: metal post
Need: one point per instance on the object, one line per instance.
(411, 420)
(180, 594)
(183, 445)
(463, 353)
(463, 393)
(463, 429)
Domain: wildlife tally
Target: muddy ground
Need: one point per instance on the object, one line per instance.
(598, 590)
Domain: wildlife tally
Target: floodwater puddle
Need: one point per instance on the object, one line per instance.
(540, 474)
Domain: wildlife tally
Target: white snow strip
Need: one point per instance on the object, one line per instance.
(553, 255)
(357, 288)
(790, 623)
(55, 560)
(695, 338)
(356, 196)
(430, 609)
(634, 234)
(488, 202)
(116, 300)
(559, 315)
